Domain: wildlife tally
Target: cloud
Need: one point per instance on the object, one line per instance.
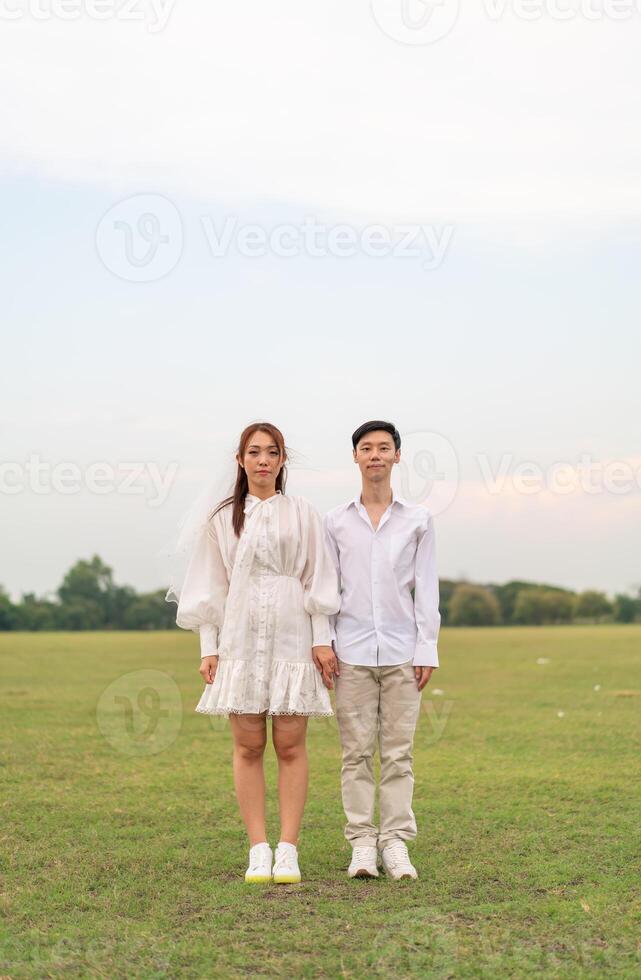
(321, 108)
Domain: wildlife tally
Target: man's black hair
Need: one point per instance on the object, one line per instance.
(376, 426)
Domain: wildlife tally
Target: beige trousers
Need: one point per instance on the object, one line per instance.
(377, 704)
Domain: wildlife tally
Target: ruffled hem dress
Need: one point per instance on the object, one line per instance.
(260, 602)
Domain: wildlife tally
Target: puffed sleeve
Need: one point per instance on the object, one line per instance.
(204, 592)
(319, 579)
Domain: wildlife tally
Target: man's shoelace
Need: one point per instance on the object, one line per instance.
(362, 854)
(397, 854)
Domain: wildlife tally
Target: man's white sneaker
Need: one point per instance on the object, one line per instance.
(286, 870)
(260, 864)
(396, 861)
(363, 864)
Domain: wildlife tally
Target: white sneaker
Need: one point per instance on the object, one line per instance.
(260, 864)
(286, 870)
(396, 861)
(363, 864)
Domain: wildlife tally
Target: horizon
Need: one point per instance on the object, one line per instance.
(460, 258)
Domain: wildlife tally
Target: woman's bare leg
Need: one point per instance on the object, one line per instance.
(289, 733)
(250, 737)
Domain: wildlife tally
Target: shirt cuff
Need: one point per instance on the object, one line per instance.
(208, 641)
(426, 654)
(320, 630)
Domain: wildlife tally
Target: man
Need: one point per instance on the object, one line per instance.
(385, 642)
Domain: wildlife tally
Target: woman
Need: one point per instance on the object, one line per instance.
(259, 589)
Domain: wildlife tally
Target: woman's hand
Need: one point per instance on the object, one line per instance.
(327, 663)
(208, 668)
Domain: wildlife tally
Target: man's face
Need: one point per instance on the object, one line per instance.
(375, 455)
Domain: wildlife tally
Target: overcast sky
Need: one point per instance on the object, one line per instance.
(319, 215)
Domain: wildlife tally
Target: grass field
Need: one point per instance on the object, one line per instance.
(123, 854)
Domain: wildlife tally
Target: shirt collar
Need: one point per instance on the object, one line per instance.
(395, 500)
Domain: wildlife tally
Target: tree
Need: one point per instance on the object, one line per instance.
(626, 608)
(119, 601)
(88, 585)
(446, 590)
(508, 594)
(537, 605)
(592, 605)
(558, 605)
(81, 614)
(8, 612)
(150, 612)
(37, 614)
(472, 605)
(530, 607)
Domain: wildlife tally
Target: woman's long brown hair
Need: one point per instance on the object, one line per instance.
(241, 487)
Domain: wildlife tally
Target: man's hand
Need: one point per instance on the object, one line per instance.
(423, 675)
(327, 663)
(208, 668)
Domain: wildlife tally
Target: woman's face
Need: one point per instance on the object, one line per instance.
(262, 461)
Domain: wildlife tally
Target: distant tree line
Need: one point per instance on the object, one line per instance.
(528, 603)
(88, 599)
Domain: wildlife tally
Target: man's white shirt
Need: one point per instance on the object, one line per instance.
(379, 623)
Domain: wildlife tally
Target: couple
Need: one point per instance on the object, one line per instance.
(287, 608)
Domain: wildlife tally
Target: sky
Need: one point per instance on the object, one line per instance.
(318, 215)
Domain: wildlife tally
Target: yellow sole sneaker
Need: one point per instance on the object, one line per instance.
(258, 879)
(286, 879)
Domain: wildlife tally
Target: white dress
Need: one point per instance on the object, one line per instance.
(260, 602)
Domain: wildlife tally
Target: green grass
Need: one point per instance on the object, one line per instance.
(123, 853)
